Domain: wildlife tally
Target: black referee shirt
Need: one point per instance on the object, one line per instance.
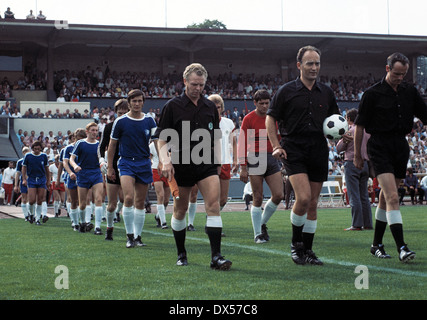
(105, 141)
(184, 117)
(300, 111)
(385, 111)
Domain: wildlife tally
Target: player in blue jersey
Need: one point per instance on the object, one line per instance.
(71, 180)
(19, 188)
(132, 133)
(36, 176)
(84, 160)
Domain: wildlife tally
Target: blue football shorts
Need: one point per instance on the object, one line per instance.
(139, 169)
(70, 183)
(87, 178)
(24, 189)
(36, 182)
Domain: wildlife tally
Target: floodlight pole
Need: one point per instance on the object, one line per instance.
(282, 13)
(388, 16)
(166, 13)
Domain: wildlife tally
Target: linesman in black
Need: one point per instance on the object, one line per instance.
(387, 111)
(189, 126)
(300, 107)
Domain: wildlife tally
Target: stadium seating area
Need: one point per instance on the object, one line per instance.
(98, 83)
(72, 85)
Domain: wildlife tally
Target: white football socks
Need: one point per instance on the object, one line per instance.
(256, 216)
(138, 222)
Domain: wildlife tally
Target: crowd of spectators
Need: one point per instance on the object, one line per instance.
(53, 143)
(9, 15)
(95, 82)
(417, 139)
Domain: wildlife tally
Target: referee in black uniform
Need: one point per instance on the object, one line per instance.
(300, 107)
(387, 111)
(190, 123)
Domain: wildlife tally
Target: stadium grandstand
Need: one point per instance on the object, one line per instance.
(55, 75)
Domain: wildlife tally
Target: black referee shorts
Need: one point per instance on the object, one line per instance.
(116, 171)
(187, 175)
(307, 154)
(388, 154)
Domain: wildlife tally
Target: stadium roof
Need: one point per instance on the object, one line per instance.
(89, 40)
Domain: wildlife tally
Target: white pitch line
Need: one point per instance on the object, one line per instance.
(287, 254)
(258, 248)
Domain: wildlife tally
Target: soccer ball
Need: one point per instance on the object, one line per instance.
(335, 126)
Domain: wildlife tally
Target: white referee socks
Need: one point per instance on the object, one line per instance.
(178, 225)
(394, 217)
(310, 226)
(214, 222)
(297, 220)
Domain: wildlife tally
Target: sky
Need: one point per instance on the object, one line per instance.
(353, 16)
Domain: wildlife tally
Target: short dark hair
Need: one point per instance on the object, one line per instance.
(135, 93)
(36, 144)
(121, 104)
(80, 133)
(304, 49)
(261, 95)
(351, 114)
(397, 57)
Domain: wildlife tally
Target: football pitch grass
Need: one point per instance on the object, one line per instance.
(53, 262)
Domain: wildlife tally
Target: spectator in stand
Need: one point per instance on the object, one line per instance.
(57, 114)
(8, 14)
(20, 134)
(102, 124)
(67, 114)
(30, 16)
(60, 98)
(41, 137)
(41, 16)
(7, 182)
(16, 113)
(27, 139)
(411, 184)
(38, 114)
(95, 114)
(6, 113)
(235, 115)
